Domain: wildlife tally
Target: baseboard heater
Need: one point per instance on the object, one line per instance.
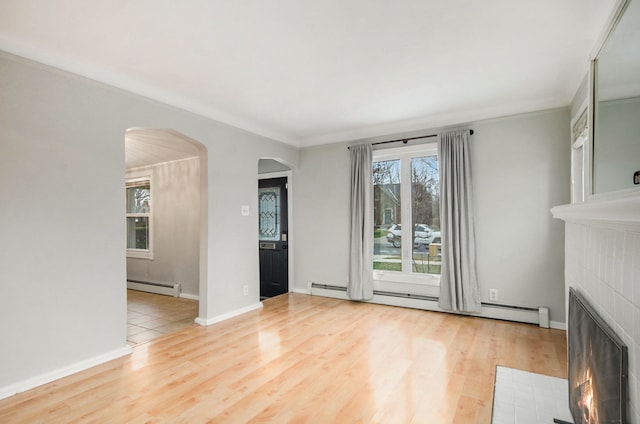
(529, 315)
(169, 289)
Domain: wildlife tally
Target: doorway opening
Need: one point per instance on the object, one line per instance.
(166, 198)
(274, 224)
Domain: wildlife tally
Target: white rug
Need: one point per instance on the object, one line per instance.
(522, 397)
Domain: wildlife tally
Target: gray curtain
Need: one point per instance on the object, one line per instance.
(360, 285)
(459, 283)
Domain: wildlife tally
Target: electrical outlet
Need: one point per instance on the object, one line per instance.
(493, 294)
(245, 290)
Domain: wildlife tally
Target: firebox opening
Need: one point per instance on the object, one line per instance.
(597, 366)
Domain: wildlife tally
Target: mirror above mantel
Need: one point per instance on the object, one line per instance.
(616, 105)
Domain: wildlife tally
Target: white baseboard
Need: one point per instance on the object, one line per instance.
(558, 325)
(487, 311)
(301, 291)
(167, 290)
(190, 296)
(48, 377)
(223, 317)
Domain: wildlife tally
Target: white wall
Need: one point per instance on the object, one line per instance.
(266, 166)
(521, 170)
(176, 226)
(321, 208)
(62, 259)
(580, 99)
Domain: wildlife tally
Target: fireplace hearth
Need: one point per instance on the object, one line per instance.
(598, 367)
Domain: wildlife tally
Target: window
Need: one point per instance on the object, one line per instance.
(138, 218)
(406, 190)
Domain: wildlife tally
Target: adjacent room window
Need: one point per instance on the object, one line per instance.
(138, 218)
(406, 193)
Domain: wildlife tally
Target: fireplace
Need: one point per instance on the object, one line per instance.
(597, 366)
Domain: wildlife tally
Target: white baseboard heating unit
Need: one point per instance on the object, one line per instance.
(169, 289)
(529, 315)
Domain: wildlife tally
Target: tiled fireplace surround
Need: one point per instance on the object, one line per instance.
(603, 262)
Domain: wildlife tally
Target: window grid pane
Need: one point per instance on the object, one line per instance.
(387, 215)
(138, 233)
(139, 198)
(425, 215)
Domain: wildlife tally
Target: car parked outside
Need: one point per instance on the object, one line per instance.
(422, 231)
(394, 233)
(425, 240)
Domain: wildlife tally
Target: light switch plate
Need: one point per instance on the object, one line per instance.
(245, 210)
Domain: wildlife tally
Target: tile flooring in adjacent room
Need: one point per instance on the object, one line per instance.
(152, 315)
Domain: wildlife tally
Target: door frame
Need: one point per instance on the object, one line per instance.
(291, 234)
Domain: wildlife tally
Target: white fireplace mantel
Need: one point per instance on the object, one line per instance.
(619, 210)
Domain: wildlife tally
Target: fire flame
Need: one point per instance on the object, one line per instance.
(587, 398)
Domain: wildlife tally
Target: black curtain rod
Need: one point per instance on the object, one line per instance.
(406, 140)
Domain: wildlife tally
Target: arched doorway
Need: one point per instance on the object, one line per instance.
(166, 190)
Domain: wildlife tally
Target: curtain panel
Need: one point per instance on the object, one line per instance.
(360, 284)
(458, 283)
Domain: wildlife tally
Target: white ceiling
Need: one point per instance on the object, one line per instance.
(313, 72)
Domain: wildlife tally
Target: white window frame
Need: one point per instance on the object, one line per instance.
(141, 253)
(404, 154)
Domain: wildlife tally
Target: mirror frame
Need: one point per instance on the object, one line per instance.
(589, 159)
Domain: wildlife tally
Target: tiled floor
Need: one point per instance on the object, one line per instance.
(152, 315)
(522, 397)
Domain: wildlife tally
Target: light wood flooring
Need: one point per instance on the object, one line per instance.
(152, 315)
(303, 359)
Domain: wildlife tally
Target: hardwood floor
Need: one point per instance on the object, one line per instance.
(304, 359)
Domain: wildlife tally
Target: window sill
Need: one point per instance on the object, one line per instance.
(398, 277)
(139, 254)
